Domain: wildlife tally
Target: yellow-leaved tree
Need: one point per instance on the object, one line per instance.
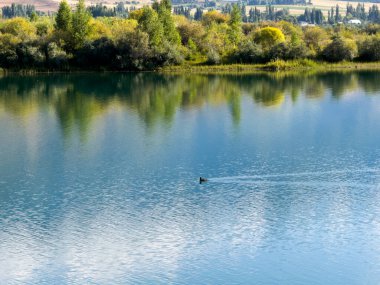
(268, 37)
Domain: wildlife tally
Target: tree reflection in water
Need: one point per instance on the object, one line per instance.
(77, 99)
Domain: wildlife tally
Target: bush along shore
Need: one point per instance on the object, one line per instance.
(274, 65)
(152, 38)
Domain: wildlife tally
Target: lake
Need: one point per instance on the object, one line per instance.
(99, 179)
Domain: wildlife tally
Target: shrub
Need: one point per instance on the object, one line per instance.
(133, 51)
(287, 51)
(213, 57)
(56, 58)
(171, 55)
(97, 54)
(19, 27)
(247, 52)
(280, 64)
(8, 55)
(369, 49)
(214, 16)
(340, 49)
(43, 28)
(29, 56)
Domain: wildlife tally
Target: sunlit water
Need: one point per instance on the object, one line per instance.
(99, 179)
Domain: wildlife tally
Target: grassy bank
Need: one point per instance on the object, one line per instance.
(302, 65)
(277, 65)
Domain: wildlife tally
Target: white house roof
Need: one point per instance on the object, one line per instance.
(354, 21)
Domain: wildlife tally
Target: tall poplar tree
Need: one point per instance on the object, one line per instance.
(80, 24)
(150, 23)
(165, 17)
(234, 23)
(64, 17)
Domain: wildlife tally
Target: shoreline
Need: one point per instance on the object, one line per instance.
(270, 67)
(274, 66)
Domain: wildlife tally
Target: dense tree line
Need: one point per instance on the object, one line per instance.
(276, 2)
(19, 10)
(310, 15)
(152, 37)
(180, 2)
(120, 10)
(98, 10)
(313, 16)
(182, 10)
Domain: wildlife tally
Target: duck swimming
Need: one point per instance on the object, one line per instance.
(202, 179)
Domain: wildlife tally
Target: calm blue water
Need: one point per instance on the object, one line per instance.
(99, 179)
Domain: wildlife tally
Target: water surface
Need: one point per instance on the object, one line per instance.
(99, 179)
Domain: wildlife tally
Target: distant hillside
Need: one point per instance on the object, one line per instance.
(52, 5)
(42, 5)
(324, 5)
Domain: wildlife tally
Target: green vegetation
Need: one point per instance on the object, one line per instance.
(275, 65)
(64, 17)
(80, 29)
(151, 38)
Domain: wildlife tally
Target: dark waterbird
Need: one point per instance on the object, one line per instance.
(202, 179)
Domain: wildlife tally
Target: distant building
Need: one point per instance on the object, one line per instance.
(306, 24)
(354, 22)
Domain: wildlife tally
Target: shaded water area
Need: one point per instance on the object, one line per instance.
(99, 179)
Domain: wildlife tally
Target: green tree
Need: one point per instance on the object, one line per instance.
(192, 30)
(64, 17)
(316, 39)
(167, 4)
(43, 27)
(150, 23)
(217, 42)
(165, 17)
(235, 31)
(33, 16)
(198, 14)
(135, 14)
(80, 25)
(338, 17)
